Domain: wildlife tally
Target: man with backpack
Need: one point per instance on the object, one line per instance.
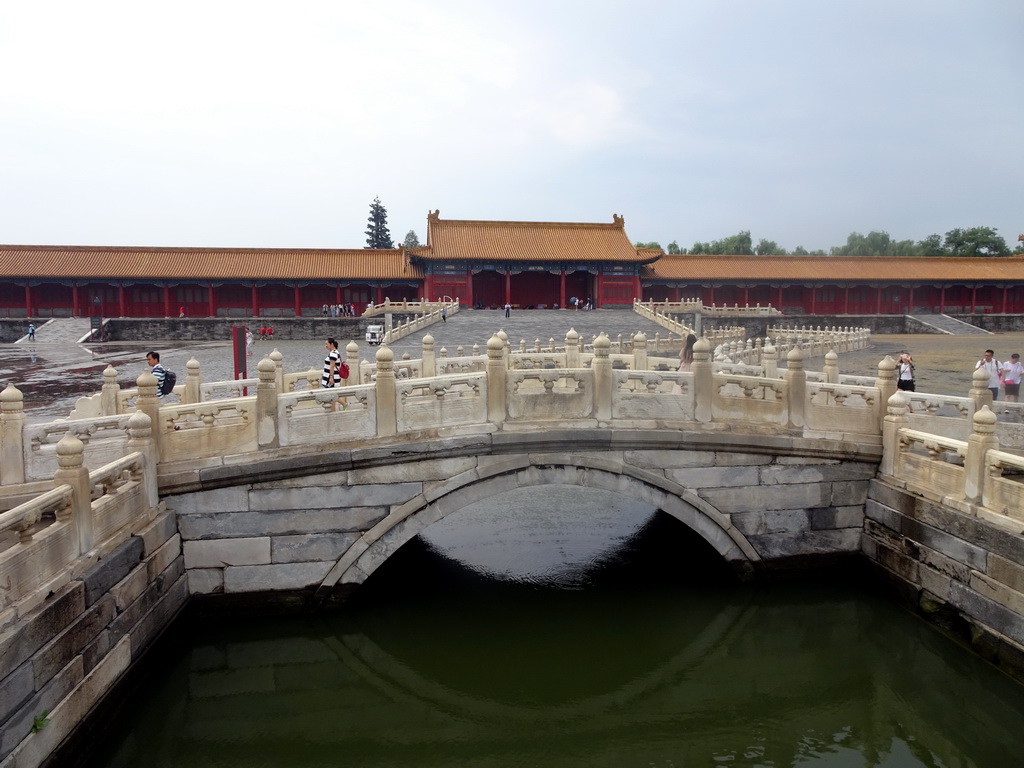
(165, 380)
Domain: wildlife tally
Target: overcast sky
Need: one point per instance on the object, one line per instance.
(273, 124)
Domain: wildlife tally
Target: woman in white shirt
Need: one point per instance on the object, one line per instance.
(1012, 372)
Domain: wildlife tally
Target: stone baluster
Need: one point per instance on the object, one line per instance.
(140, 438)
(982, 440)
(796, 387)
(108, 393)
(443, 353)
(266, 405)
(460, 351)
(640, 359)
(70, 471)
(572, 349)
(278, 360)
(831, 367)
(387, 416)
(895, 419)
(497, 374)
(886, 381)
(602, 370)
(429, 361)
(979, 394)
(193, 390)
(12, 436)
(476, 350)
(551, 344)
(507, 353)
(703, 382)
(536, 344)
(149, 404)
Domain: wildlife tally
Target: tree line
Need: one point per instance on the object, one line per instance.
(974, 241)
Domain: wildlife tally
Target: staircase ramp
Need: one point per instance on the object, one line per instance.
(949, 325)
(66, 330)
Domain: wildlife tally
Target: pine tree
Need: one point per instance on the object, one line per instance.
(411, 240)
(377, 235)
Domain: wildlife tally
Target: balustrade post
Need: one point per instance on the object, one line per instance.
(266, 405)
(831, 367)
(148, 403)
(980, 395)
(982, 440)
(640, 361)
(387, 416)
(703, 382)
(796, 387)
(108, 392)
(140, 438)
(507, 354)
(193, 382)
(895, 419)
(429, 361)
(12, 436)
(497, 378)
(70, 471)
(278, 359)
(886, 381)
(602, 369)
(572, 349)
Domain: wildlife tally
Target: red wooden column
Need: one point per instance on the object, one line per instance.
(255, 301)
(779, 305)
(1002, 309)
(942, 300)
(380, 294)
(746, 295)
(600, 290)
(846, 299)
(122, 308)
(508, 285)
(298, 301)
(28, 300)
(675, 293)
(167, 301)
(337, 294)
(74, 299)
(469, 288)
(561, 289)
(638, 290)
(814, 299)
(910, 301)
(878, 300)
(711, 295)
(974, 297)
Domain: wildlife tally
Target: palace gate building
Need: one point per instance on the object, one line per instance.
(487, 264)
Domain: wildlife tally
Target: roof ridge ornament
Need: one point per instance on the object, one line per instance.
(619, 221)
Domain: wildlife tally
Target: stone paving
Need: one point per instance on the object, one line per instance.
(476, 326)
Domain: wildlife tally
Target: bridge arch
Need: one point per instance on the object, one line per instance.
(406, 521)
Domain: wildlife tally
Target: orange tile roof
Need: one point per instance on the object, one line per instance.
(701, 268)
(44, 261)
(534, 241)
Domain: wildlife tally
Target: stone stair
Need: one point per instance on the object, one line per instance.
(65, 330)
(949, 325)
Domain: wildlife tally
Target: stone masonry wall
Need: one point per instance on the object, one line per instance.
(286, 535)
(64, 654)
(963, 573)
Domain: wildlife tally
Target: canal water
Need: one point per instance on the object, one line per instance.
(556, 626)
(569, 627)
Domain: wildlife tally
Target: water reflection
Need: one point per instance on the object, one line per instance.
(637, 663)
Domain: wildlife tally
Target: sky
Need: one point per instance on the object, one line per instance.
(271, 124)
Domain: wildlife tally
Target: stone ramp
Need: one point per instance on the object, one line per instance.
(475, 326)
(950, 325)
(64, 330)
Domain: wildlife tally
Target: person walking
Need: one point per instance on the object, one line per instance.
(158, 371)
(444, 314)
(995, 372)
(1012, 372)
(332, 369)
(249, 341)
(686, 354)
(31, 332)
(508, 309)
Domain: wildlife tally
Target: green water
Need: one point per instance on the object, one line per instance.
(464, 671)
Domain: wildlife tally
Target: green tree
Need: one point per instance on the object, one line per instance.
(931, 246)
(652, 244)
(769, 248)
(411, 241)
(673, 248)
(377, 235)
(976, 241)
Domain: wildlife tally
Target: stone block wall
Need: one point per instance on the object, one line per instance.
(61, 656)
(961, 572)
